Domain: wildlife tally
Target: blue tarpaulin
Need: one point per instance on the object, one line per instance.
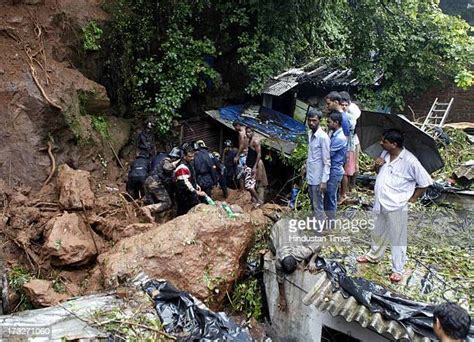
(270, 122)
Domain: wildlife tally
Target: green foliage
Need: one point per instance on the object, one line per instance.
(411, 42)
(126, 325)
(92, 34)
(99, 123)
(247, 298)
(155, 50)
(17, 277)
(458, 152)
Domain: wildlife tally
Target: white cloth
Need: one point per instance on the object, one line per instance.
(390, 228)
(397, 180)
(353, 113)
(319, 158)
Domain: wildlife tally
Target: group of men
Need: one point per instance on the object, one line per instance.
(332, 158)
(187, 174)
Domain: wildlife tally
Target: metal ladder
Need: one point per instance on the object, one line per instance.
(436, 117)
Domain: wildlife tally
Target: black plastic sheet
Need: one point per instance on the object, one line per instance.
(184, 319)
(419, 316)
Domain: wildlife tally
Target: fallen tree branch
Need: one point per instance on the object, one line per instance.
(116, 156)
(53, 164)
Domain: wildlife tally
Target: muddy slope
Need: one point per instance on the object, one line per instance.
(45, 99)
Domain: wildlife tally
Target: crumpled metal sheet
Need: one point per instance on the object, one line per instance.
(67, 320)
(466, 170)
(325, 298)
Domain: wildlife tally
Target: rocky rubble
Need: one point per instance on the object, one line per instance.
(51, 233)
(202, 252)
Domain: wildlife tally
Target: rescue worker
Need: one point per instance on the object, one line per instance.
(157, 185)
(220, 172)
(230, 152)
(165, 171)
(204, 168)
(187, 191)
(146, 141)
(137, 176)
(156, 160)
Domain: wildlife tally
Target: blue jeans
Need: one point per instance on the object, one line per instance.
(317, 202)
(330, 198)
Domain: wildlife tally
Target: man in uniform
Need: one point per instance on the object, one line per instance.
(146, 141)
(158, 185)
(204, 168)
(137, 176)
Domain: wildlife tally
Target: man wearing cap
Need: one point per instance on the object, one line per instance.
(146, 141)
(230, 152)
(204, 167)
(159, 194)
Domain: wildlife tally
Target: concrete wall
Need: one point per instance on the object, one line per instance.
(300, 322)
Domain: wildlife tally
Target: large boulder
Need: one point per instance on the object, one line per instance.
(69, 241)
(202, 252)
(41, 293)
(74, 188)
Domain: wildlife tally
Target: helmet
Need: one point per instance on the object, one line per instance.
(175, 153)
(201, 144)
(216, 155)
(228, 143)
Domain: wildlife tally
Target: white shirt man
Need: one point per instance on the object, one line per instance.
(401, 179)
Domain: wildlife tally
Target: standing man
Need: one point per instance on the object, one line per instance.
(451, 323)
(204, 167)
(318, 163)
(353, 147)
(401, 179)
(338, 148)
(241, 156)
(243, 140)
(146, 141)
(334, 104)
(250, 170)
(230, 152)
(187, 191)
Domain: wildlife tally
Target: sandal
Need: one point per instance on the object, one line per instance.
(362, 259)
(395, 277)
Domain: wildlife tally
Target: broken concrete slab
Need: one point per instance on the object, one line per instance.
(68, 241)
(40, 293)
(74, 188)
(202, 252)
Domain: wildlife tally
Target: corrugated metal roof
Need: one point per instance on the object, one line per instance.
(318, 73)
(326, 298)
(279, 87)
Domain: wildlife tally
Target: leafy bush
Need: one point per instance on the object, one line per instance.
(92, 35)
(247, 298)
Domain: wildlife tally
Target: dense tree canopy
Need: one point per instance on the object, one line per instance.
(156, 50)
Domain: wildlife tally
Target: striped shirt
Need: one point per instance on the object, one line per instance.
(182, 173)
(397, 180)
